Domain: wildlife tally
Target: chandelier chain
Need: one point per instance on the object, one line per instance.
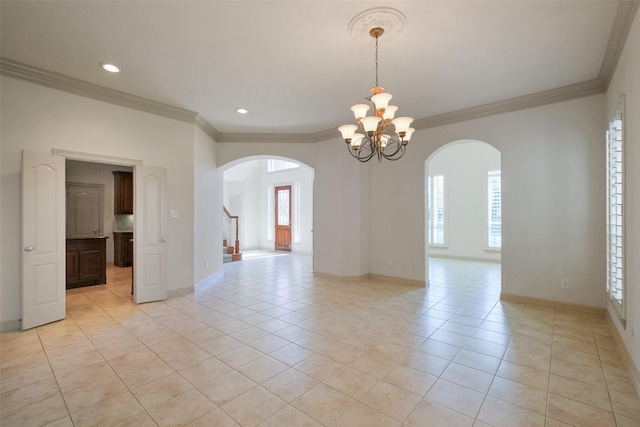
(376, 60)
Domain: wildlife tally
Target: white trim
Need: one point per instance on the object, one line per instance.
(620, 307)
(619, 32)
(95, 158)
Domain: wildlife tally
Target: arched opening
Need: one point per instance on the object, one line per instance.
(463, 206)
(272, 198)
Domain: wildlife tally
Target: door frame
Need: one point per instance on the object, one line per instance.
(137, 166)
(99, 158)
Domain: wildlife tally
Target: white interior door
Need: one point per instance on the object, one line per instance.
(149, 262)
(43, 239)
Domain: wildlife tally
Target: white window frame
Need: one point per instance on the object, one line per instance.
(616, 171)
(487, 216)
(430, 226)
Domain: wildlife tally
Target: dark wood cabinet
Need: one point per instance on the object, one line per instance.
(123, 249)
(86, 262)
(123, 193)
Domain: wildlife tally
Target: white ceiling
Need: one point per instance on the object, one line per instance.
(293, 63)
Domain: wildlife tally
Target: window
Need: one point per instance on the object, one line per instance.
(494, 209)
(615, 210)
(436, 210)
(276, 165)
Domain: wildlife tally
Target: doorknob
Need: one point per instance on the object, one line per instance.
(28, 248)
(164, 239)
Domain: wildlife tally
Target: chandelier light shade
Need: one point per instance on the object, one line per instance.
(381, 135)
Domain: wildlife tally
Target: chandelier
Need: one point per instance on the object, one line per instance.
(383, 136)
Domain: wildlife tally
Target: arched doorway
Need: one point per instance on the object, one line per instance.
(249, 192)
(463, 203)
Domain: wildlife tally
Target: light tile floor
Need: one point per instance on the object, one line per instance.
(269, 344)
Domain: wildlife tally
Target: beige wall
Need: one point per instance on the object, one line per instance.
(626, 81)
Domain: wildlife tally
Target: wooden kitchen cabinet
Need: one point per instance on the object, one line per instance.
(122, 249)
(123, 193)
(86, 262)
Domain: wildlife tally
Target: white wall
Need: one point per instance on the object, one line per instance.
(37, 118)
(244, 180)
(465, 165)
(97, 173)
(207, 209)
(626, 81)
(553, 190)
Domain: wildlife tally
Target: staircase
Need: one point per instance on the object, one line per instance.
(230, 253)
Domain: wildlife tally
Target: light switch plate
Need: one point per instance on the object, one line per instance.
(173, 213)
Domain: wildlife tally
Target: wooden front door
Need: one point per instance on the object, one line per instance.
(283, 218)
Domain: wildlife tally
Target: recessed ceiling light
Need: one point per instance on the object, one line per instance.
(112, 68)
(242, 110)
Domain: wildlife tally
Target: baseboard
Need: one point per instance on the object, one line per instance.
(626, 357)
(10, 325)
(217, 275)
(371, 276)
(174, 293)
(397, 280)
(334, 277)
(465, 258)
(550, 303)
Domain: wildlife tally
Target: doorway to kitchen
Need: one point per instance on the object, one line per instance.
(99, 222)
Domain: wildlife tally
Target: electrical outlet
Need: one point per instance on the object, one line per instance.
(187, 271)
(564, 283)
(206, 264)
(389, 262)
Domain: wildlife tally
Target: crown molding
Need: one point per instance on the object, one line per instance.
(206, 127)
(95, 158)
(90, 90)
(266, 137)
(551, 96)
(278, 137)
(621, 26)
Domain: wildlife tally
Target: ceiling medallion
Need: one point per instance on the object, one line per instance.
(384, 136)
(392, 21)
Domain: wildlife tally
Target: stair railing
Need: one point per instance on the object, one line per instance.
(227, 229)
